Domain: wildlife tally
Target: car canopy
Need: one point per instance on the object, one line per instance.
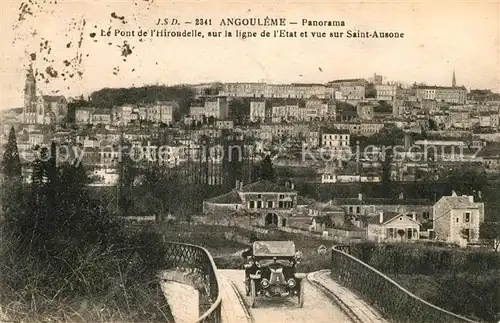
(273, 249)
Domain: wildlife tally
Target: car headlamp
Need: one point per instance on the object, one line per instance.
(291, 282)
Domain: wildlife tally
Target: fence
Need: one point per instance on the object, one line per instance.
(392, 300)
(199, 261)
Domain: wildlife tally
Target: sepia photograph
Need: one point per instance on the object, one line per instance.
(221, 161)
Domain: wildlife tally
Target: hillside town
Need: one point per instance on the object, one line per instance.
(325, 137)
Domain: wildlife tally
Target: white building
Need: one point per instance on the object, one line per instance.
(393, 227)
(335, 140)
(457, 219)
(386, 92)
(83, 116)
(124, 115)
(161, 112)
(284, 112)
(257, 111)
(217, 108)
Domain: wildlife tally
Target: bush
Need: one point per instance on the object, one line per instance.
(462, 281)
(424, 260)
(471, 295)
(229, 262)
(64, 256)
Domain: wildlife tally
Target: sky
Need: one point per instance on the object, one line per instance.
(439, 37)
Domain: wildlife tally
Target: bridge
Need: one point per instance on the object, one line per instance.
(349, 291)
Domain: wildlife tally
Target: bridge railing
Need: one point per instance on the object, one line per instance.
(199, 262)
(392, 300)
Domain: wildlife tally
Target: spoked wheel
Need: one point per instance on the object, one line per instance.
(301, 293)
(253, 293)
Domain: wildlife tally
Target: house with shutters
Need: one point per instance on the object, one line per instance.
(268, 203)
(457, 219)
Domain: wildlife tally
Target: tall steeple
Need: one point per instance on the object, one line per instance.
(453, 80)
(29, 95)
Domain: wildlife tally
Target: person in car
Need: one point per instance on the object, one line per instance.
(249, 251)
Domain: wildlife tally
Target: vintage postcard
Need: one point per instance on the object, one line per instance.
(233, 161)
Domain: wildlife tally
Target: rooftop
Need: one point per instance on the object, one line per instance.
(381, 201)
(348, 80)
(326, 207)
(388, 217)
(229, 198)
(302, 200)
(264, 186)
(459, 202)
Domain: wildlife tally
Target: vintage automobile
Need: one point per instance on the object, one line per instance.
(271, 272)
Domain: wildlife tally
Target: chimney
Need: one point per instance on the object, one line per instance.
(381, 216)
(471, 198)
(292, 186)
(414, 216)
(360, 196)
(453, 193)
(241, 185)
(237, 185)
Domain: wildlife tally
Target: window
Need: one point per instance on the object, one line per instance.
(358, 210)
(259, 196)
(270, 204)
(282, 196)
(280, 204)
(259, 204)
(457, 220)
(467, 217)
(252, 204)
(425, 215)
(351, 209)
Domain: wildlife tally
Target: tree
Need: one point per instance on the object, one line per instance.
(433, 125)
(490, 231)
(465, 181)
(401, 233)
(126, 177)
(11, 188)
(238, 109)
(388, 138)
(11, 162)
(267, 170)
(74, 249)
(370, 91)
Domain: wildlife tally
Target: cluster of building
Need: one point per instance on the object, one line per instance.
(311, 126)
(283, 120)
(452, 219)
(154, 113)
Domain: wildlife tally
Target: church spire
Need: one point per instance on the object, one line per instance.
(453, 80)
(29, 95)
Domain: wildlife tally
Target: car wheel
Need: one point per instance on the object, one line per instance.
(301, 293)
(253, 293)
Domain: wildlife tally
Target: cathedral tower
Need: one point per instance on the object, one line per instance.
(29, 108)
(453, 80)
